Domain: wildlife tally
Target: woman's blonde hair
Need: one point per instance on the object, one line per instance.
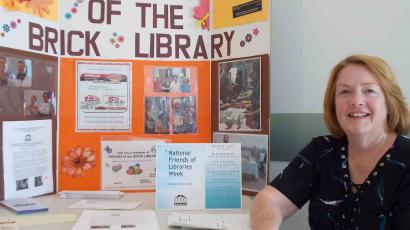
(398, 118)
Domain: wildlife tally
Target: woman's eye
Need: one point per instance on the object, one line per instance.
(343, 92)
(370, 91)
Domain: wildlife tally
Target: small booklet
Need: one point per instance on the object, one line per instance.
(24, 205)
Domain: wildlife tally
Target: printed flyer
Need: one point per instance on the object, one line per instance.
(27, 158)
(103, 96)
(128, 164)
(198, 176)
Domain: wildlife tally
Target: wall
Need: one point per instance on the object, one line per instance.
(308, 38)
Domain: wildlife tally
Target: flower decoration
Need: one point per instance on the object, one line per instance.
(77, 161)
(73, 10)
(6, 28)
(201, 13)
(13, 24)
(11, 5)
(116, 40)
(248, 38)
(255, 31)
(68, 16)
(40, 7)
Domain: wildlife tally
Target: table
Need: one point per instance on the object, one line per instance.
(60, 206)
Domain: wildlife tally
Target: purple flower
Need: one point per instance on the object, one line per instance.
(13, 24)
(248, 38)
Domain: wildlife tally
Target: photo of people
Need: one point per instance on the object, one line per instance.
(4, 75)
(21, 70)
(156, 115)
(173, 80)
(184, 115)
(22, 184)
(240, 95)
(255, 156)
(38, 181)
(39, 103)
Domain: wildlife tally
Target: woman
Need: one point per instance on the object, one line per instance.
(4, 75)
(32, 110)
(359, 177)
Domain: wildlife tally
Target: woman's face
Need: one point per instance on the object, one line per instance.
(360, 102)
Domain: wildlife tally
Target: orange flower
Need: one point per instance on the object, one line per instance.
(10, 4)
(40, 6)
(77, 161)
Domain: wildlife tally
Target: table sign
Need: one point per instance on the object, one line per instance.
(198, 176)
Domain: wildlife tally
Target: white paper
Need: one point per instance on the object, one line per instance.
(90, 194)
(105, 205)
(27, 158)
(128, 164)
(103, 96)
(210, 221)
(131, 220)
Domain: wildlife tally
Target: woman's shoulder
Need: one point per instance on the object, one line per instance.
(403, 142)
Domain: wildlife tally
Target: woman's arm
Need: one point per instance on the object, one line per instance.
(269, 208)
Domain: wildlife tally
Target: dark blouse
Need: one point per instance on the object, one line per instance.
(320, 174)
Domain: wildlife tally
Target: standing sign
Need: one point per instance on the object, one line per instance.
(198, 176)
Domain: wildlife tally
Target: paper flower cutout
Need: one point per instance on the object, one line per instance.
(116, 40)
(77, 161)
(40, 6)
(248, 38)
(201, 13)
(11, 5)
(6, 28)
(255, 31)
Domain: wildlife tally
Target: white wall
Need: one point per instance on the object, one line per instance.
(308, 37)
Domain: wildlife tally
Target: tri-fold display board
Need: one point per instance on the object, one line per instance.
(155, 69)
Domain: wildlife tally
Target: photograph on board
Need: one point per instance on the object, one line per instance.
(240, 95)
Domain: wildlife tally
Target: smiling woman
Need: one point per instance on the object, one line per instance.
(358, 177)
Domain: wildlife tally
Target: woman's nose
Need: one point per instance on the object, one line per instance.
(357, 100)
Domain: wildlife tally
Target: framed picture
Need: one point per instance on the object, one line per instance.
(255, 158)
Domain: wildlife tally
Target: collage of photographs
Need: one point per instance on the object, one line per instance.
(27, 87)
(170, 104)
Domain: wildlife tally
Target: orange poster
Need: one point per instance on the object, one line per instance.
(79, 162)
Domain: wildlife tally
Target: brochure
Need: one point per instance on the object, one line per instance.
(24, 205)
(198, 176)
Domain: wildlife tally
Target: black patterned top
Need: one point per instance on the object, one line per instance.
(320, 174)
